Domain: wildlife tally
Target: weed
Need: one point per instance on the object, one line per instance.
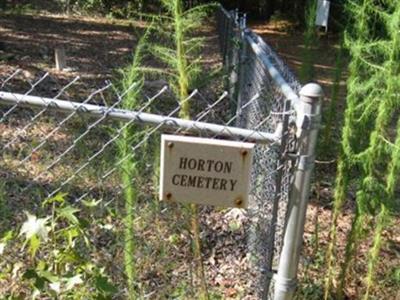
(58, 246)
(375, 158)
(129, 169)
(183, 74)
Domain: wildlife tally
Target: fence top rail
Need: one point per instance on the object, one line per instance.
(258, 45)
(166, 122)
(276, 76)
(225, 12)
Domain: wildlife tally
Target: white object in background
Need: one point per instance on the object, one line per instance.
(61, 60)
(323, 13)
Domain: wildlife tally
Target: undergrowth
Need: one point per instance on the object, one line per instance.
(179, 51)
(368, 160)
(55, 250)
(131, 167)
(183, 58)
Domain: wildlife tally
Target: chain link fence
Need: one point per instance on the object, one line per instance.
(66, 143)
(253, 68)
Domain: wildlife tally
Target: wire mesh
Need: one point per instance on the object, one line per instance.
(76, 154)
(271, 175)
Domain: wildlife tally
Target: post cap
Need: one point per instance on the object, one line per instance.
(312, 90)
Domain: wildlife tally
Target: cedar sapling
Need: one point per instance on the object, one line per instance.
(345, 157)
(130, 168)
(378, 154)
(182, 56)
(372, 38)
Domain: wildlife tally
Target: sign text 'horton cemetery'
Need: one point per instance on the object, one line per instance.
(205, 171)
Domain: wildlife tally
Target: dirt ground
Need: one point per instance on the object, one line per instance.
(94, 48)
(97, 47)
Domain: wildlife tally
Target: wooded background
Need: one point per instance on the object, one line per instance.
(256, 9)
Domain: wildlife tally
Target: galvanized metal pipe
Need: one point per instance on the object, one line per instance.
(141, 117)
(308, 115)
(276, 76)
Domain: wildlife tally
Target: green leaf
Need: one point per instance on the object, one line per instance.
(83, 223)
(71, 233)
(59, 198)
(68, 212)
(48, 276)
(104, 286)
(39, 281)
(7, 236)
(29, 274)
(70, 256)
(41, 265)
(34, 244)
(91, 203)
(5, 239)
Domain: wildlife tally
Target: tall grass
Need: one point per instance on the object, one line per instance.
(183, 58)
(372, 38)
(130, 168)
(345, 158)
(180, 52)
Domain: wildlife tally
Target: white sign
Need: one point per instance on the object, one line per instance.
(205, 171)
(322, 13)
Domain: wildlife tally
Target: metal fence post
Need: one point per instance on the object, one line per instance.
(241, 69)
(234, 70)
(308, 115)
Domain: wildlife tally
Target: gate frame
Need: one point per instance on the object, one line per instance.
(308, 119)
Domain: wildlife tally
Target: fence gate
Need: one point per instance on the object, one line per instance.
(69, 145)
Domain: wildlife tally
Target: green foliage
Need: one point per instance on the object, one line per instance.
(60, 266)
(35, 231)
(16, 9)
(311, 288)
(372, 39)
(131, 84)
(180, 50)
(375, 249)
(179, 46)
(395, 275)
(180, 53)
(113, 8)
